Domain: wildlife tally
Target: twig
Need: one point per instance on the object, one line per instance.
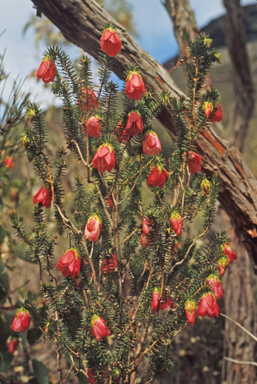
(240, 326)
(240, 362)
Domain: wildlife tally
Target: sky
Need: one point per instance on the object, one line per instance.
(155, 35)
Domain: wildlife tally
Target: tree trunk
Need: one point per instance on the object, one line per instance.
(243, 85)
(81, 23)
(239, 305)
(238, 297)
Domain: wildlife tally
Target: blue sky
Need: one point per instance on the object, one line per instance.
(153, 25)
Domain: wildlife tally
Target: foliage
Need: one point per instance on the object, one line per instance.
(141, 338)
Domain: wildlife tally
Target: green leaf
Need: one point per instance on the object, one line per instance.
(40, 372)
(1, 204)
(5, 359)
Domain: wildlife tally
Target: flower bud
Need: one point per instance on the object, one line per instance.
(43, 196)
(191, 311)
(93, 126)
(99, 328)
(217, 115)
(31, 114)
(194, 162)
(110, 42)
(157, 177)
(13, 346)
(229, 253)
(69, 263)
(25, 141)
(176, 223)
(208, 306)
(214, 283)
(46, 70)
(104, 159)
(134, 124)
(160, 303)
(151, 144)
(208, 108)
(135, 87)
(21, 321)
(205, 185)
(223, 264)
(93, 228)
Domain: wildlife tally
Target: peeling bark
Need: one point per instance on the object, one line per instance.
(81, 23)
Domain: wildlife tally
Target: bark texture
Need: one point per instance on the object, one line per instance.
(182, 16)
(243, 85)
(81, 22)
(239, 305)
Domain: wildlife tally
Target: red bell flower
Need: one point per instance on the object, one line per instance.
(90, 376)
(194, 162)
(135, 87)
(205, 185)
(69, 263)
(46, 70)
(217, 115)
(223, 264)
(214, 283)
(93, 228)
(99, 328)
(109, 264)
(191, 311)
(134, 124)
(110, 199)
(43, 196)
(104, 159)
(208, 306)
(93, 126)
(176, 223)
(157, 177)
(110, 42)
(147, 225)
(160, 303)
(88, 99)
(208, 108)
(8, 162)
(151, 144)
(21, 321)
(229, 253)
(144, 241)
(13, 346)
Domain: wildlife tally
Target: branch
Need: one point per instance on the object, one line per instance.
(240, 326)
(241, 362)
(81, 23)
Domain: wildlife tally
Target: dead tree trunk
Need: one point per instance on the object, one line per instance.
(243, 85)
(239, 305)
